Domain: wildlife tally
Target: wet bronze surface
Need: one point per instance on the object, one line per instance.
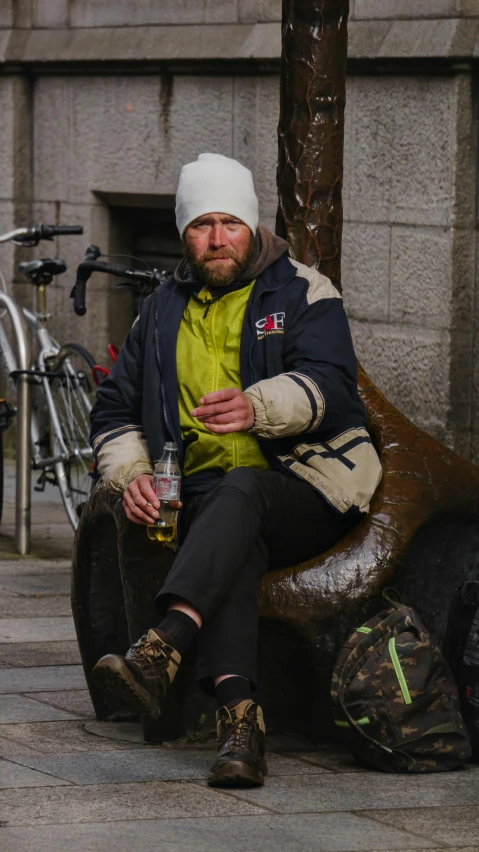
(422, 534)
(311, 130)
(423, 482)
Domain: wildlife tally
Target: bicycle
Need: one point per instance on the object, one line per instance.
(142, 282)
(62, 385)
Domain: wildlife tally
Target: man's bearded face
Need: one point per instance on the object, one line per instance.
(218, 247)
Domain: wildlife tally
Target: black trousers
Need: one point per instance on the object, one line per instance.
(251, 521)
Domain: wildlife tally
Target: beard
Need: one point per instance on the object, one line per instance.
(219, 274)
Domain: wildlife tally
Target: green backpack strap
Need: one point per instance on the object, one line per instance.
(392, 597)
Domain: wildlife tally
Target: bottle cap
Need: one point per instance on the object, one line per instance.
(170, 445)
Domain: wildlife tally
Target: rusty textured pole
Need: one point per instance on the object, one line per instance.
(311, 131)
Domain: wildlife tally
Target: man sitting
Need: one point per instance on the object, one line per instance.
(244, 358)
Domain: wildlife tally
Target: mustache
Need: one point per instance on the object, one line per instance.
(215, 255)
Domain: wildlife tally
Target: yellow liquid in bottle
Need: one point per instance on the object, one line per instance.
(163, 533)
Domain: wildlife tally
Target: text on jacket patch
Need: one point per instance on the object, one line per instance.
(270, 324)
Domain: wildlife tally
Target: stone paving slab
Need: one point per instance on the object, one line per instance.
(336, 760)
(268, 832)
(4, 593)
(18, 708)
(19, 606)
(120, 732)
(451, 825)
(47, 518)
(57, 737)
(35, 679)
(113, 767)
(279, 764)
(159, 764)
(48, 542)
(39, 654)
(13, 775)
(12, 748)
(37, 584)
(345, 793)
(41, 629)
(110, 802)
(19, 566)
(76, 701)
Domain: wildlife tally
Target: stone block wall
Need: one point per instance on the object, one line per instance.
(409, 243)
(364, 10)
(104, 13)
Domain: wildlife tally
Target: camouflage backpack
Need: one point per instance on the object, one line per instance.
(394, 697)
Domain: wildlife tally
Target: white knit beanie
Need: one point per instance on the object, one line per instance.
(216, 184)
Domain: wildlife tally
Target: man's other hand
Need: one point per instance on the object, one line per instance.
(140, 501)
(225, 411)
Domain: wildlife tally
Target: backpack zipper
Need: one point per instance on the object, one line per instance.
(396, 663)
(398, 669)
(365, 720)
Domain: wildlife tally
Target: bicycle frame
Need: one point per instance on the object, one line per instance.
(10, 366)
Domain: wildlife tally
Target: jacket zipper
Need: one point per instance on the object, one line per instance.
(212, 305)
(165, 410)
(253, 328)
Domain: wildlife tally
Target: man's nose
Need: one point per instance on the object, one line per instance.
(218, 236)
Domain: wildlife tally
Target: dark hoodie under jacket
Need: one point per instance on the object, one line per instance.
(297, 365)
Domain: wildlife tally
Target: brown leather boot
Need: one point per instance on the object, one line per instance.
(142, 677)
(241, 752)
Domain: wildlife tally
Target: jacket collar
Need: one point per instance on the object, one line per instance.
(280, 272)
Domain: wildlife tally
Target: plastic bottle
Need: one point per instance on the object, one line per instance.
(166, 485)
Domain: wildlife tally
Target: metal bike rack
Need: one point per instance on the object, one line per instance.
(24, 409)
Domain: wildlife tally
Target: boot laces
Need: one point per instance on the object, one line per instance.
(237, 734)
(144, 648)
(139, 644)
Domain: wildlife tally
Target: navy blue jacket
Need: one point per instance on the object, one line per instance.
(296, 354)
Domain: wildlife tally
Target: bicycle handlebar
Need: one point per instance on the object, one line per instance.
(84, 271)
(61, 230)
(32, 235)
(90, 264)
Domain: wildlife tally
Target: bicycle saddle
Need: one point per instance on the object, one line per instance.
(42, 271)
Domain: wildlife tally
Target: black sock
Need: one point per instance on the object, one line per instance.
(232, 690)
(178, 630)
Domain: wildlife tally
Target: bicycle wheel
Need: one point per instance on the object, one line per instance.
(72, 392)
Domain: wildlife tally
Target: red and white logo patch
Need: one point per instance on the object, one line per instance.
(270, 324)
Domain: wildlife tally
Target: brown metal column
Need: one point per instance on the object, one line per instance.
(311, 131)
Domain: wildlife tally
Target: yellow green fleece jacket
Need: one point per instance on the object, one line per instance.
(208, 359)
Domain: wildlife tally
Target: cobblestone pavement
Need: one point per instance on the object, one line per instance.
(65, 787)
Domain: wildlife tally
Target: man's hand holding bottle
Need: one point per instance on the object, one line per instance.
(140, 502)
